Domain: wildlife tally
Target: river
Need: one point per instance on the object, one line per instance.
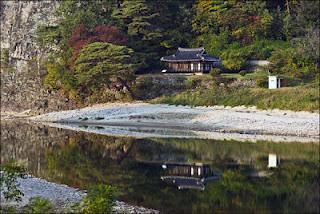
(173, 175)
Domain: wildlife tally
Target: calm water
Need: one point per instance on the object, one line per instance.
(172, 175)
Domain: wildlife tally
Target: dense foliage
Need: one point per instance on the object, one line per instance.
(285, 32)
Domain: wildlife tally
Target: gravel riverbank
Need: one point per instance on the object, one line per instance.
(216, 122)
(62, 196)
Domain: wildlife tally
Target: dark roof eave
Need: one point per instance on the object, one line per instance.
(189, 60)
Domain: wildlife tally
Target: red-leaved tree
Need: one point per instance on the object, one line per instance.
(81, 37)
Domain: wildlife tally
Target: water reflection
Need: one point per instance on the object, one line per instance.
(188, 176)
(146, 130)
(273, 161)
(245, 182)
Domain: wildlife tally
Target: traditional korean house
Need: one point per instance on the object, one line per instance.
(190, 60)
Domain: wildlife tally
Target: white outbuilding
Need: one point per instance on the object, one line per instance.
(275, 82)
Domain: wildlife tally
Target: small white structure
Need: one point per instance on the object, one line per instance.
(272, 162)
(274, 82)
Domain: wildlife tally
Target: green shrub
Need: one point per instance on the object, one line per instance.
(242, 72)
(262, 83)
(38, 205)
(100, 199)
(190, 83)
(8, 181)
(142, 86)
(58, 76)
(215, 72)
(9, 210)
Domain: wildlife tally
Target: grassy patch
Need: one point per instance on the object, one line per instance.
(249, 75)
(304, 98)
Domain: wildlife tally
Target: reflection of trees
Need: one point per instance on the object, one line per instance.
(132, 165)
(280, 192)
(241, 152)
(87, 160)
(125, 163)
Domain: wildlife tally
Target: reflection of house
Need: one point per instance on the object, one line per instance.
(273, 161)
(188, 176)
(190, 60)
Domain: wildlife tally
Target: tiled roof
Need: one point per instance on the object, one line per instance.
(189, 54)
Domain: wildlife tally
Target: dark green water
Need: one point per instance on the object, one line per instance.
(135, 167)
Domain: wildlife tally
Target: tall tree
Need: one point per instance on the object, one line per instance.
(175, 23)
(101, 63)
(300, 17)
(206, 14)
(139, 21)
(244, 21)
(102, 33)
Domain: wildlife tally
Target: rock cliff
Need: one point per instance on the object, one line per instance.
(21, 80)
(19, 22)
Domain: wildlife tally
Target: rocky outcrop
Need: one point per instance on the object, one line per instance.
(19, 22)
(21, 91)
(21, 74)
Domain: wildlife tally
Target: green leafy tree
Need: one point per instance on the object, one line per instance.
(137, 19)
(8, 181)
(175, 21)
(300, 16)
(291, 61)
(100, 63)
(207, 13)
(234, 58)
(58, 77)
(244, 21)
(214, 44)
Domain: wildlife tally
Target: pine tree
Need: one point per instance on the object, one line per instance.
(139, 21)
(100, 62)
(137, 18)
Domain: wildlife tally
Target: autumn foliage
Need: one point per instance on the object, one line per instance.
(102, 33)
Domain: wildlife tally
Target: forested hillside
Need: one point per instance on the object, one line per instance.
(103, 44)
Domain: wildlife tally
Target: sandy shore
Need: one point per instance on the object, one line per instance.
(218, 122)
(61, 196)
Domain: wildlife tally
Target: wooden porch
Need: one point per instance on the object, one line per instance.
(191, 67)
